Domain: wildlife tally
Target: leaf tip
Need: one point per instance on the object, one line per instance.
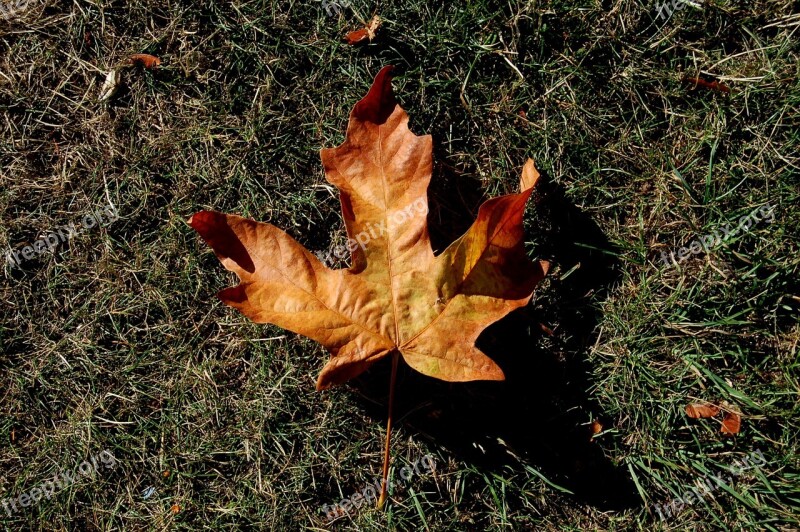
(545, 266)
(379, 102)
(530, 176)
(198, 220)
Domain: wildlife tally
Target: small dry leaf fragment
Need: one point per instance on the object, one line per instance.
(701, 410)
(355, 37)
(336, 512)
(595, 428)
(365, 33)
(110, 85)
(711, 85)
(545, 329)
(144, 60)
(731, 423)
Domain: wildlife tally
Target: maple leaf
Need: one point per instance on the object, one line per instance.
(396, 298)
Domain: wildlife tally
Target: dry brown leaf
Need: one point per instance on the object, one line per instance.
(701, 410)
(710, 85)
(397, 296)
(144, 60)
(545, 329)
(731, 423)
(366, 33)
(397, 299)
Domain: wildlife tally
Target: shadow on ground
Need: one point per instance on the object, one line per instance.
(542, 411)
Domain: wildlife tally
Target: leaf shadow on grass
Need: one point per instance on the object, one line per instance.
(542, 411)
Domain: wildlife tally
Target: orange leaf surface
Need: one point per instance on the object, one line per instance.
(397, 297)
(731, 423)
(700, 410)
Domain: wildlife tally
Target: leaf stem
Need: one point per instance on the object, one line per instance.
(393, 378)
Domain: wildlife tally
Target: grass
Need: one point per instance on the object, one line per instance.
(115, 341)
